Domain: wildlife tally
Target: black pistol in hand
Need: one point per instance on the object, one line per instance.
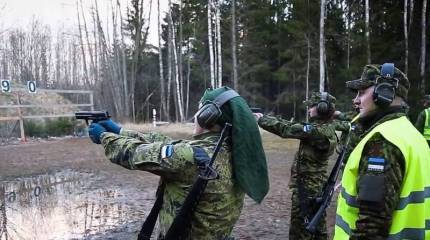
(94, 116)
(256, 110)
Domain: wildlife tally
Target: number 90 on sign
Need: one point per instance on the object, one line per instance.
(5, 85)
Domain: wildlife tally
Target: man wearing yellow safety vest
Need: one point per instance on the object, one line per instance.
(423, 119)
(385, 190)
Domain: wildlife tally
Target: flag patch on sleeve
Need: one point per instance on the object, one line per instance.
(375, 164)
(307, 128)
(166, 151)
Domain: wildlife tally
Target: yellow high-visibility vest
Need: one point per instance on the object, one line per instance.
(426, 131)
(411, 218)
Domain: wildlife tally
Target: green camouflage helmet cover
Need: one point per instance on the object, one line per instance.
(372, 73)
(316, 97)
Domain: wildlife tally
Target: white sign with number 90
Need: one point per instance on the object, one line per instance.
(5, 85)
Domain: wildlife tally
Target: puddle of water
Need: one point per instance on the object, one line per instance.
(69, 205)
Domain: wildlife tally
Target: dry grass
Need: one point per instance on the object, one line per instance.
(272, 142)
(174, 130)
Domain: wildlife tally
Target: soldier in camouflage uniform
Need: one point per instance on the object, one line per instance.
(423, 120)
(385, 180)
(241, 166)
(308, 172)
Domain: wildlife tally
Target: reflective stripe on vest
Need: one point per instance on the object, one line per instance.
(411, 219)
(426, 130)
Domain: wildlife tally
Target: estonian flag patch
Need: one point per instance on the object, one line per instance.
(166, 151)
(375, 164)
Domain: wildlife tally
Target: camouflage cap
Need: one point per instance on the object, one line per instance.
(316, 97)
(372, 73)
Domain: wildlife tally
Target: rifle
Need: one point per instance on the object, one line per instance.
(181, 224)
(329, 186)
(94, 116)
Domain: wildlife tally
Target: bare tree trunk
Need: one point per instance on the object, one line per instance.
(367, 32)
(218, 38)
(177, 81)
(211, 55)
(181, 40)
(322, 47)
(233, 45)
(160, 63)
(187, 104)
(308, 67)
(169, 63)
(405, 31)
(124, 69)
(411, 13)
(348, 36)
(423, 47)
(90, 49)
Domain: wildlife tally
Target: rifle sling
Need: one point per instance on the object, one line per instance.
(149, 224)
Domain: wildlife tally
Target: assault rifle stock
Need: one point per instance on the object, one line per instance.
(329, 186)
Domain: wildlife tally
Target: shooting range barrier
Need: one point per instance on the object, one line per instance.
(23, 103)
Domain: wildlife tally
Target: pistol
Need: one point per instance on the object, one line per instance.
(94, 116)
(256, 110)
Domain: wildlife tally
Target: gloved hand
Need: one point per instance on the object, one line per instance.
(110, 126)
(201, 157)
(95, 131)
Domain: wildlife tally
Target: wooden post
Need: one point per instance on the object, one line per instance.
(92, 100)
(21, 120)
(154, 117)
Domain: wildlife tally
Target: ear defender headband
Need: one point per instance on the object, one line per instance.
(386, 85)
(210, 112)
(324, 107)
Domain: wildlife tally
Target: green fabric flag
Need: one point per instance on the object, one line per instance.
(249, 159)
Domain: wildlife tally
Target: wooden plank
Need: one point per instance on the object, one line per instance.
(53, 90)
(47, 105)
(8, 118)
(49, 116)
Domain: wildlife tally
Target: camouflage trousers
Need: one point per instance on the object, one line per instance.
(297, 227)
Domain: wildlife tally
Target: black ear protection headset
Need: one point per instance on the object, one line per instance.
(324, 107)
(210, 112)
(386, 85)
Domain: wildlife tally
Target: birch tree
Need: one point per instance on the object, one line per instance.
(367, 30)
(423, 47)
(211, 49)
(233, 45)
(175, 59)
(322, 47)
(405, 31)
(81, 39)
(161, 67)
(218, 41)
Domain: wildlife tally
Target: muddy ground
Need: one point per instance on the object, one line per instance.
(67, 189)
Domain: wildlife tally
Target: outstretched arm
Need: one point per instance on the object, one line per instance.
(161, 158)
(284, 128)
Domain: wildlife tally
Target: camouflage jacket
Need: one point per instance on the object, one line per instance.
(222, 201)
(420, 122)
(317, 142)
(374, 221)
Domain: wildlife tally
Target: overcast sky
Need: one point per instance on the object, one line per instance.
(59, 13)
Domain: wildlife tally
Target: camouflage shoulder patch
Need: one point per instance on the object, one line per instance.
(167, 151)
